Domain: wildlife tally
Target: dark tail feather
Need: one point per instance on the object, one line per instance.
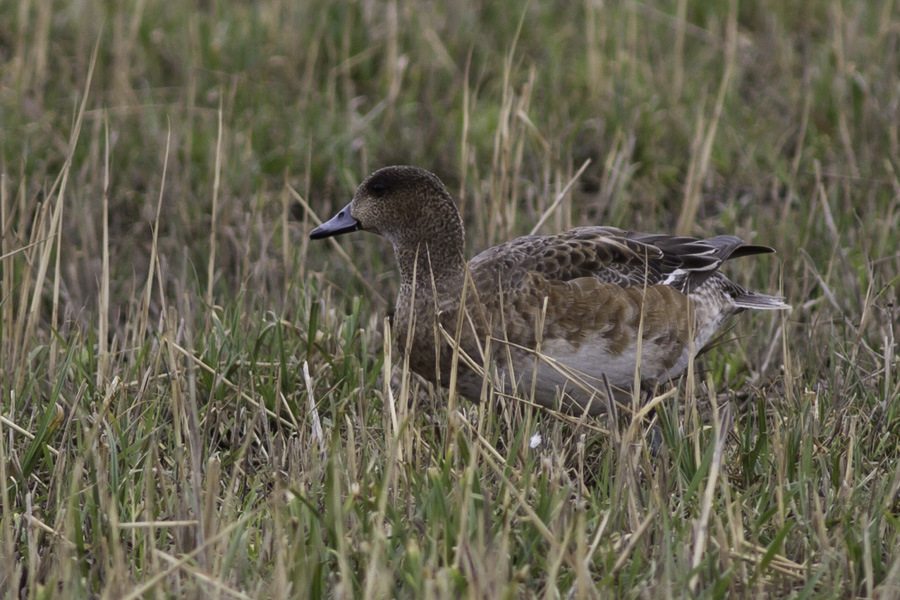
(741, 251)
(729, 246)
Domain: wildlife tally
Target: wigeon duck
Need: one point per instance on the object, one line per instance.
(559, 315)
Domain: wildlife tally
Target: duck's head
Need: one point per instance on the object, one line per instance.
(406, 205)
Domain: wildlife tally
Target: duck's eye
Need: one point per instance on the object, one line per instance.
(378, 188)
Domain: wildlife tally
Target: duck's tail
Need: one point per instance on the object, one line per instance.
(756, 301)
(730, 247)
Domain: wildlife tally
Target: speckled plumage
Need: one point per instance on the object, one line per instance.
(553, 313)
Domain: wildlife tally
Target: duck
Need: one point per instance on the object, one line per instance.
(560, 320)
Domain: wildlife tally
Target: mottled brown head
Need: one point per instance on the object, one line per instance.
(412, 209)
(404, 204)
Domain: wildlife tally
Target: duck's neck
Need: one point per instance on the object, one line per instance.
(429, 267)
(430, 255)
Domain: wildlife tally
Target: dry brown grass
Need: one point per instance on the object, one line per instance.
(198, 403)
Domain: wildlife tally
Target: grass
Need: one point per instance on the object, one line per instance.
(197, 402)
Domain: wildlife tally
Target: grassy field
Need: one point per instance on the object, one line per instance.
(198, 402)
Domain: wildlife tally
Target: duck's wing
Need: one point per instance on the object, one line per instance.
(603, 280)
(611, 255)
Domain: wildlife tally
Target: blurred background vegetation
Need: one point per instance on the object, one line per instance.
(163, 162)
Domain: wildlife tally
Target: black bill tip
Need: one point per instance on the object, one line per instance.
(343, 222)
